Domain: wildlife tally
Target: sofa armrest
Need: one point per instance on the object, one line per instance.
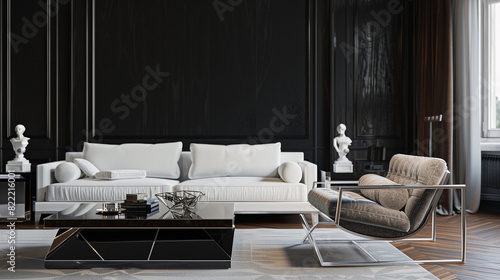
(309, 173)
(45, 177)
(70, 156)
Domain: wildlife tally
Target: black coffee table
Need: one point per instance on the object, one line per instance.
(89, 240)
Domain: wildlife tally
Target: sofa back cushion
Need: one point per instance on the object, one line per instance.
(186, 161)
(234, 160)
(159, 160)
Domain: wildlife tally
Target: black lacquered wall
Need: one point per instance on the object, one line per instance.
(176, 69)
(206, 71)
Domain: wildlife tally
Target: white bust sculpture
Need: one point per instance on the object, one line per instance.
(341, 144)
(19, 143)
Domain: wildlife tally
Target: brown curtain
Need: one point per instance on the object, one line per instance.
(434, 82)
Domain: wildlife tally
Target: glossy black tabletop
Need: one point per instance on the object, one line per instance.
(86, 215)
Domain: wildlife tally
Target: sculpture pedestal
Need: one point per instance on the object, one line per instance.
(18, 166)
(342, 167)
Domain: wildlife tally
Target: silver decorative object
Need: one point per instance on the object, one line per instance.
(179, 203)
(181, 213)
(110, 208)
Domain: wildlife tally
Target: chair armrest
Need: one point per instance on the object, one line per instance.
(45, 177)
(309, 173)
(367, 187)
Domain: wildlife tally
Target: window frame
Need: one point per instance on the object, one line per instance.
(489, 129)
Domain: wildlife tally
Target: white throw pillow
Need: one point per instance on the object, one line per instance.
(86, 166)
(159, 160)
(120, 174)
(234, 160)
(290, 172)
(67, 172)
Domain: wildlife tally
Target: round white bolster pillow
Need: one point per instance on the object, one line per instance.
(67, 172)
(290, 172)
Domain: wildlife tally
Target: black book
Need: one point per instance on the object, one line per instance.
(141, 211)
(140, 214)
(150, 203)
(141, 202)
(144, 206)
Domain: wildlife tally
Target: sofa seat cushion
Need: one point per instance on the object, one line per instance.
(361, 212)
(107, 190)
(245, 189)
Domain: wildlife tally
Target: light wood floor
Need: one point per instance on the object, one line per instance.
(483, 242)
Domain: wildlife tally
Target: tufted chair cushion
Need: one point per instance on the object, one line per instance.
(415, 170)
(359, 210)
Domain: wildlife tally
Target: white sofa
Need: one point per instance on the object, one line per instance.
(250, 178)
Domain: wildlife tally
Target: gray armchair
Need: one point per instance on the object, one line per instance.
(389, 208)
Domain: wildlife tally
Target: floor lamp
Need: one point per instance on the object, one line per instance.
(430, 120)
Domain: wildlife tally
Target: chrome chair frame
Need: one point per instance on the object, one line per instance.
(432, 216)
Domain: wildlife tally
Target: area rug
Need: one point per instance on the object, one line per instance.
(257, 254)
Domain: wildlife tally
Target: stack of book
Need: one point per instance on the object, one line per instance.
(141, 207)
